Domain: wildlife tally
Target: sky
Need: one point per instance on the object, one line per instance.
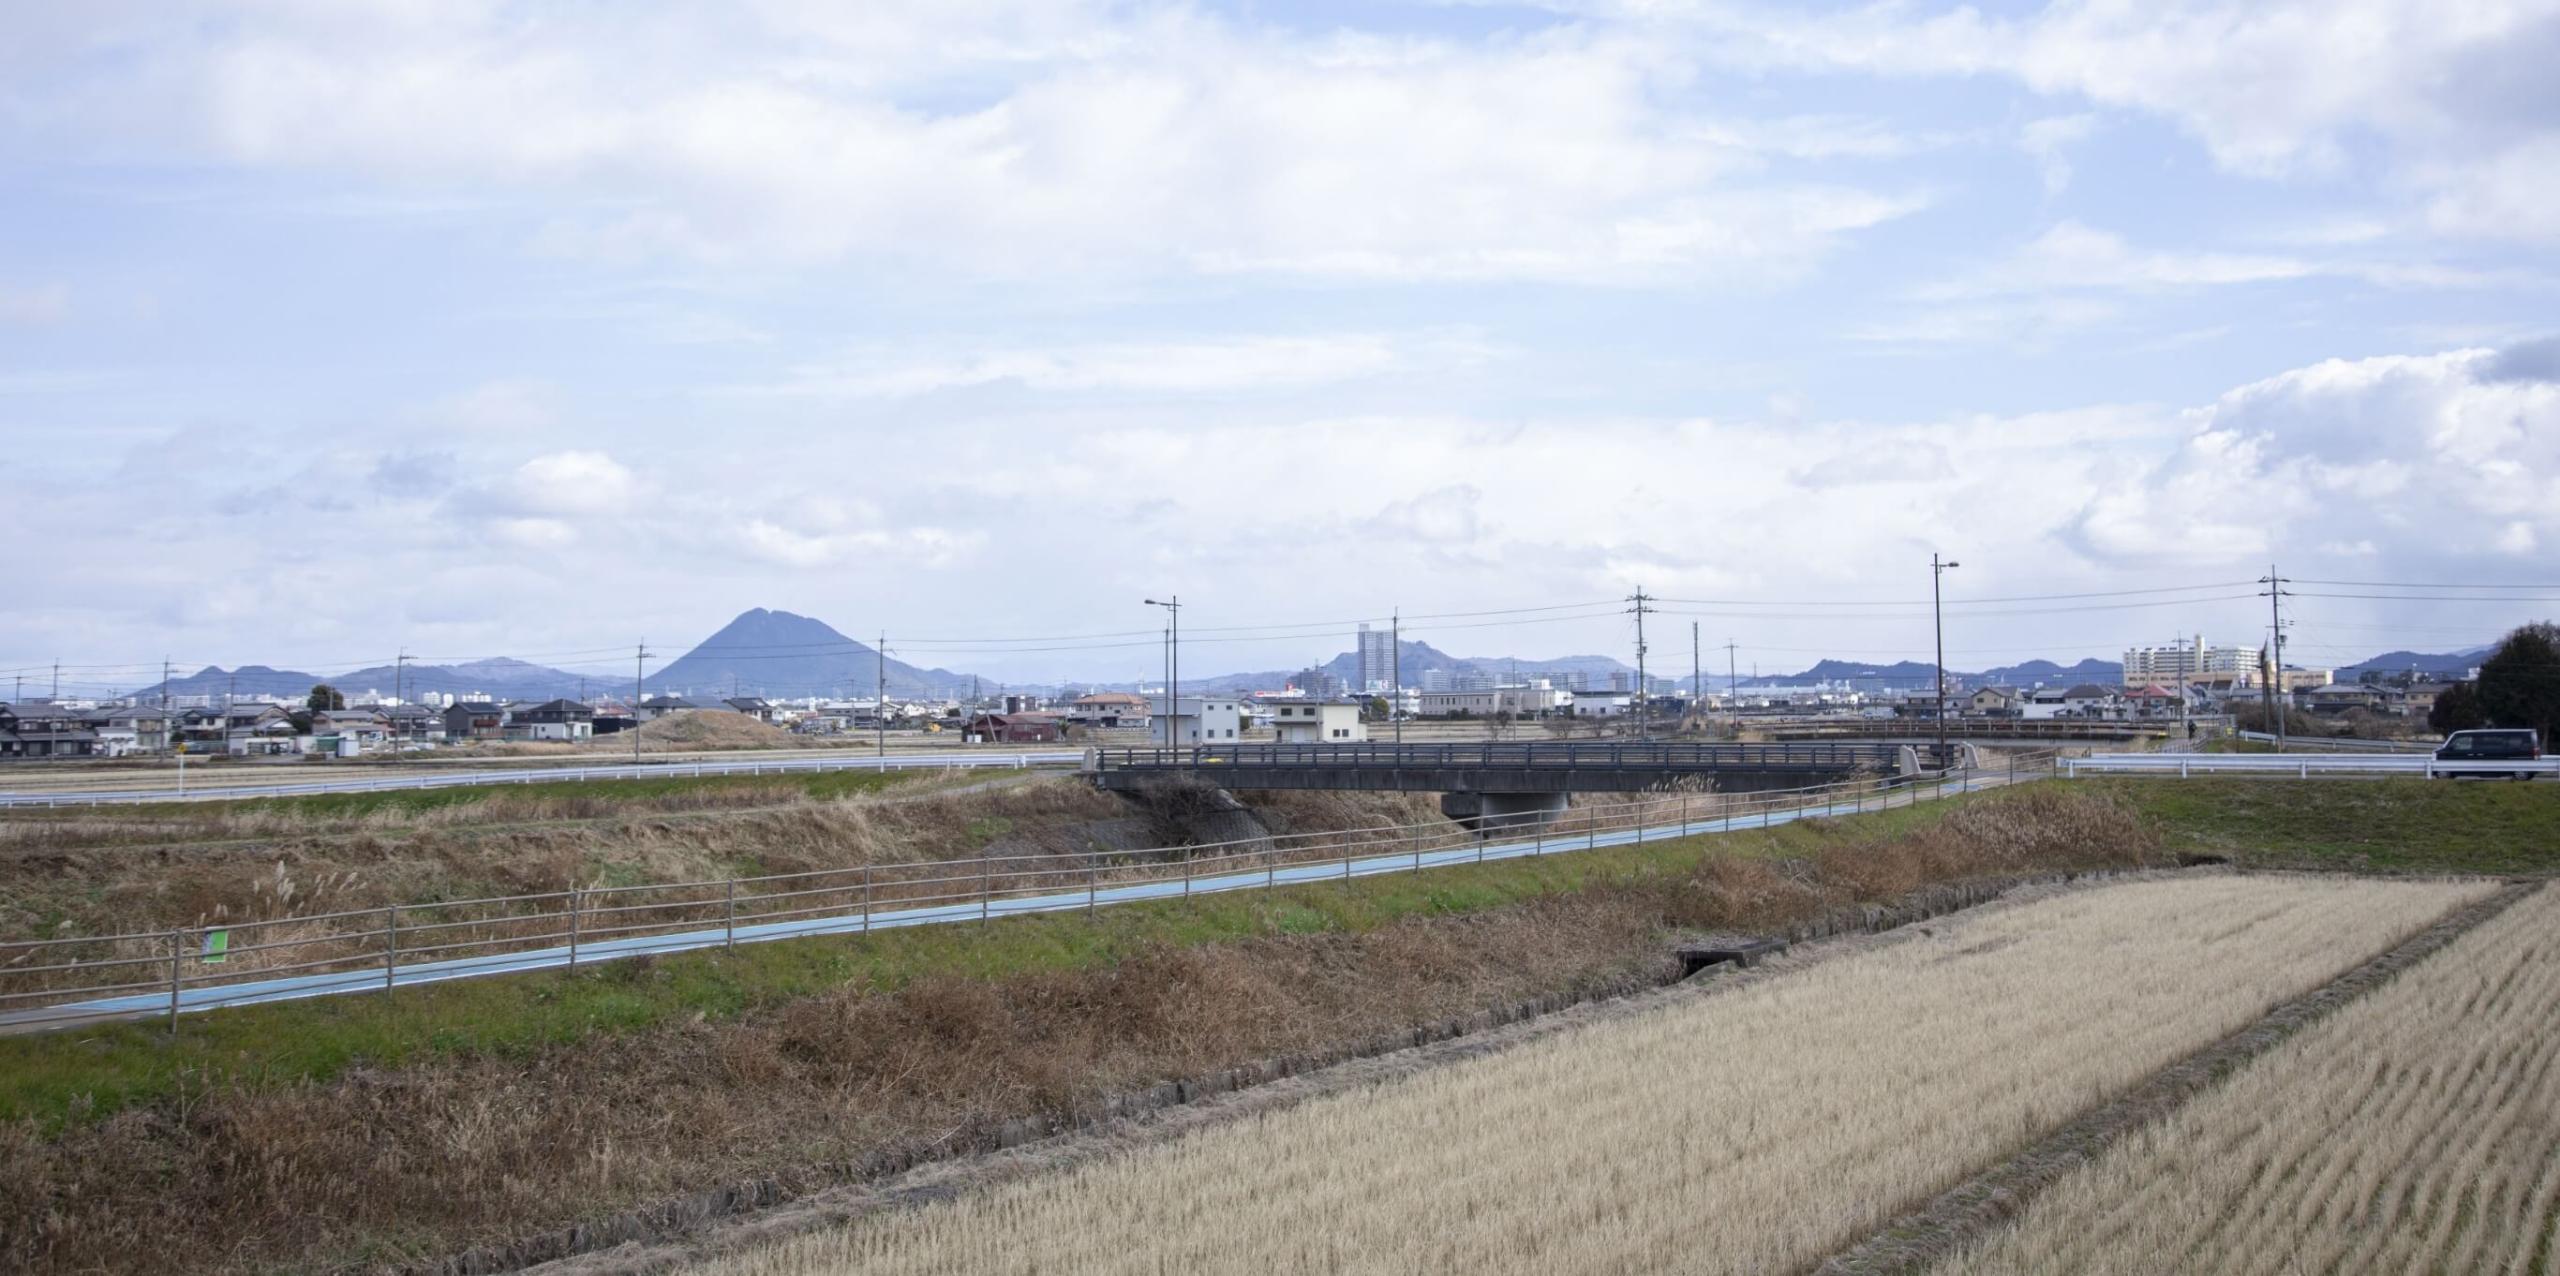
(332, 329)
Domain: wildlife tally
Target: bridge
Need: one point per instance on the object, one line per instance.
(1507, 784)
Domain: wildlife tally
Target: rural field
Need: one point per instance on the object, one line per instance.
(2415, 1130)
(1754, 1130)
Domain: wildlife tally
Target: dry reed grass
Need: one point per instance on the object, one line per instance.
(2412, 1131)
(1753, 1132)
(422, 1159)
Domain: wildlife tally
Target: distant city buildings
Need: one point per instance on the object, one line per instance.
(1377, 653)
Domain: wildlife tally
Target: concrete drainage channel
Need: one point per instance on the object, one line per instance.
(687, 1217)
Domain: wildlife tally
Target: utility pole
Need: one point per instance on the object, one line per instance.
(1697, 680)
(1732, 680)
(400, 698)
(57, 681)
(1938, 619)
(2274, 700)
(1395, 665)
(1172, 605)
(1642, 607)
(639, 662)
(168, 720)
(880, 695)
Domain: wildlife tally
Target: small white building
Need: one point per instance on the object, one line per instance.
(1196, 720)
(1603, 704)
(1318, 722)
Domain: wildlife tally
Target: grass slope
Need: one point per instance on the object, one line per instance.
(2363, 826)
(93, 1073)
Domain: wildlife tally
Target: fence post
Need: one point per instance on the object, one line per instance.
(573, 927)
(1186, 877)
(390, 946)
(177, 952)
(1092, 882)
(729, 913)
(866, 899)
(986, 886)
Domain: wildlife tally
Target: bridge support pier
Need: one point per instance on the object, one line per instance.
(1486, 814)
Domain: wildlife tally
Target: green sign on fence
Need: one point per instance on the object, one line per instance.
(217, 946)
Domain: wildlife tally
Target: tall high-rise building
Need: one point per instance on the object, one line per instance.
(1377, 658)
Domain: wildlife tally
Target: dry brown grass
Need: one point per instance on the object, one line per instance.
(429, 1158)
(236, 865)
(1747, 1133)
(2412, 1131)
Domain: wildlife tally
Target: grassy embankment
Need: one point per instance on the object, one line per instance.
(2363, 826)
(370, 1127)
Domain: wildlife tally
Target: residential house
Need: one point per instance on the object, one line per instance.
(1197, 720)
(656, 707)
(2339, 697)
(40, 729)
(2418, 700)
(1996, 702)
(415, 725)
(2043, 703)
(1109, 709)
(554, 720)
(202, 729)
(755, 707)
(473, 721)
(1016, 728)
(350, 731)
(2152, 702)
(1319, 722)
(260, 731)
(130, 729)
(2089, 700)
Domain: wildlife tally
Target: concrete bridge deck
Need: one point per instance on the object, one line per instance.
(1540, 767)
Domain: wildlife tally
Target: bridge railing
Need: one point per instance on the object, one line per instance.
(1613, 755)
(60, 982)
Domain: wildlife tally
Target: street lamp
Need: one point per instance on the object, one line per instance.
(1173, 667)
(1938, 619)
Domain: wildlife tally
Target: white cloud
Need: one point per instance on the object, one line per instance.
(2456, 93)
(1175, 367)
(2050, 139)
(1019, 141)
(2444, 466)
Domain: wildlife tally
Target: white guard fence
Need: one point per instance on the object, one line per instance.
(2341, 744)
(949, 760)
(2297, 765)
(55, 983)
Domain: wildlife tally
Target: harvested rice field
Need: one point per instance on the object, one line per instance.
(1755, 1128)
(2418, 1129)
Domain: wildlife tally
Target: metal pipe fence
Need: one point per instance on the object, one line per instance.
(955, 760)
(53, 983)
(2301, 766)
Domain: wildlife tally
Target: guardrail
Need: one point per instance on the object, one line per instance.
(2342, 744)
(546, 775)
(2295, 765)
(1616, 756)
(55, 983)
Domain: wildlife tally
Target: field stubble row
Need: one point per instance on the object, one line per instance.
(2413, 1131)
(1752, 1131)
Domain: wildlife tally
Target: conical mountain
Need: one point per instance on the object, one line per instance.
(776, 654)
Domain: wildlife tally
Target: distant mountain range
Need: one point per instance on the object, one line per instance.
(2435, 664)
(779, 655)
(501, 677)
(1416, 658)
